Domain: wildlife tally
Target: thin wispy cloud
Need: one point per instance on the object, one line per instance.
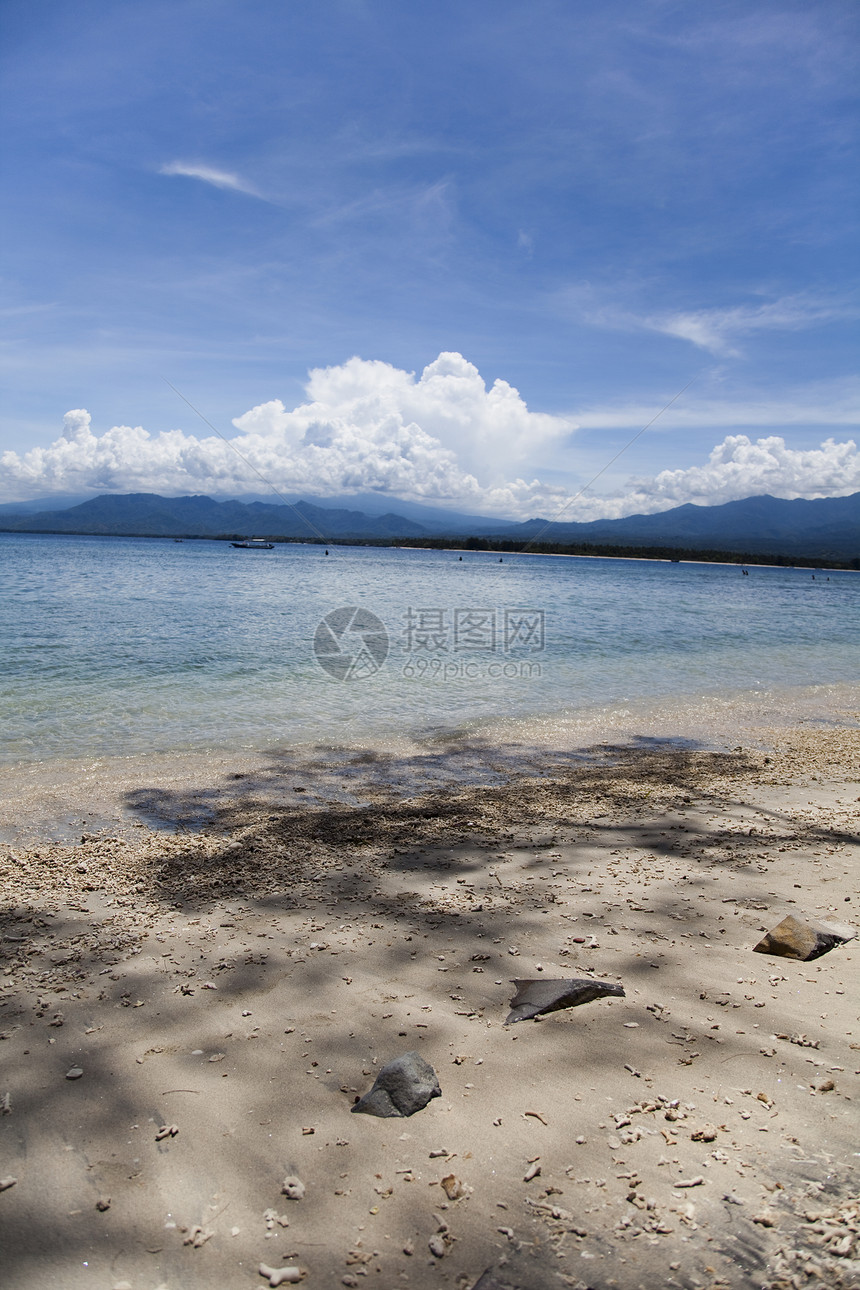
(823, 404)
(210, 175)
(719, 330)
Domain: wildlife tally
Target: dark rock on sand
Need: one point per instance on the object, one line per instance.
(534, 998)
(793, 939)
(402, 1087)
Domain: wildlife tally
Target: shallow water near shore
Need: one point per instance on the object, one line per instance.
(124, 647)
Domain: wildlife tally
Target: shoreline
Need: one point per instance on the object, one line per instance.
(241, 981)
(61, 797)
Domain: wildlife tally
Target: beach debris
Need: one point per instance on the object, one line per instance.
(706, 1133)
(103, 1204)
(167, 1131)
(437, 1247)
(533, 1171)
(453, 1187)
(281, 1276)
(804, 940)
(698, 1181)
(7, 1182)
(293, 1188)
(534, 998)
(74, 1073)
(197, 1236)
(403, 1086)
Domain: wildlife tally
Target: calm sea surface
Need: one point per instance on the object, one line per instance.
(124, 646)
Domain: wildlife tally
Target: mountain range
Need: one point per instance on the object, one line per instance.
(823, 528)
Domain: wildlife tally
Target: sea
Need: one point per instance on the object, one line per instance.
(132, 647)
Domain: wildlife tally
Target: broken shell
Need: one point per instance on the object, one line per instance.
(6, 1183)
(74, 1073)
(293, 1188)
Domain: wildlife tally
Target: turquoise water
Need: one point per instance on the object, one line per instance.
(124, 646)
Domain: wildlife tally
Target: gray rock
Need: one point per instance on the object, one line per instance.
(402, 1087)
(534, 998)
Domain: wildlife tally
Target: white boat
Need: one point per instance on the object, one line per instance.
(254, 544)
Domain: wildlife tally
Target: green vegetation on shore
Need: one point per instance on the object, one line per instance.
(506, 546)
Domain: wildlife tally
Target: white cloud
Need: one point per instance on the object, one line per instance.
(441, 437)
(209, 175)
(736, 468)
(367, 426)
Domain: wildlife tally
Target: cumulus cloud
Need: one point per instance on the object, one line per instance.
(367, 426)
(736, 468)
(209, 175)
(442, 438)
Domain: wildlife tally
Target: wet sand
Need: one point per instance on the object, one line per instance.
(228, 988)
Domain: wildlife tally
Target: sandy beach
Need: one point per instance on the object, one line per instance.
(188, 1016)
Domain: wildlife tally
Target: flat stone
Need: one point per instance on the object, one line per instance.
(402, 1087)
(797, 939)
(534, 998)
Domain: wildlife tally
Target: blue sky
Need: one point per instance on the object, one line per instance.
(584, 207)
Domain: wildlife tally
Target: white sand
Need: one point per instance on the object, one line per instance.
(339, 937)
